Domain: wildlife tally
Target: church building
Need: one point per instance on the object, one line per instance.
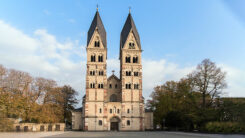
(114, 103)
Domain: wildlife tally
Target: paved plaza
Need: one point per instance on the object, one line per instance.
(114, 135)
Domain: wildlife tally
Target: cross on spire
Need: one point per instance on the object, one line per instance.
(97, 7)
(129, 9)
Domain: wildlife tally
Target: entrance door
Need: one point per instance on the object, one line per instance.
(114, 126)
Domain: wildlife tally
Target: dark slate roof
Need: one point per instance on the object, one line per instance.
(129, 24)
(97, 22)
(78, 109)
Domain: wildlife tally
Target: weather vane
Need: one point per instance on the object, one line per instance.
(97, 7)
(129, 8)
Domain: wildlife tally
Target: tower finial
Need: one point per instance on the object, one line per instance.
(129, 9)
(113, 72)
(97, 7)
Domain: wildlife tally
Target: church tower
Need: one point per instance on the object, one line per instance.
(113, 103)
(131, 77)
(96, 78)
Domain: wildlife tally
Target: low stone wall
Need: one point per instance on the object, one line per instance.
(34, 127)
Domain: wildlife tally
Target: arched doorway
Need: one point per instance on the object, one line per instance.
(114, 123)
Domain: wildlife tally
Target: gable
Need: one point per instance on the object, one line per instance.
(131, 42)
(113, 78)
(96, 37)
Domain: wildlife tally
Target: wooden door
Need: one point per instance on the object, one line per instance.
(114, 126)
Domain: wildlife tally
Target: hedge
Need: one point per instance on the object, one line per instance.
(224, 127)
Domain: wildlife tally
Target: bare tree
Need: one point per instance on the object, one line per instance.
(209, 80)
(18, 81)
(2, 75)
(41, 87)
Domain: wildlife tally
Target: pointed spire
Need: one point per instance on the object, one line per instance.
(128, 26)
(97, 23)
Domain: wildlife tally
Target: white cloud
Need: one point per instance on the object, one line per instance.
(235, 80)
(156, 72)
(42, 55)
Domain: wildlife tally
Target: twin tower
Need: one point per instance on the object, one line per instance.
(113, 103)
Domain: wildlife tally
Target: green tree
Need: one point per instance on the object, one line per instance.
(69, 101)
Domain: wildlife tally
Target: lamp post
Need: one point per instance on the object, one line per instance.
(163, 123)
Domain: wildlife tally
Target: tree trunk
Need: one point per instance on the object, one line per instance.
(203, 100)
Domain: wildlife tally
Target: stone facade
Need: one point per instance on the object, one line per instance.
(149, 120)
(77, 119)
(36, 127)
(113, 103)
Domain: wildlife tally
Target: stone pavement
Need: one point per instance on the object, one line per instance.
(150, 134)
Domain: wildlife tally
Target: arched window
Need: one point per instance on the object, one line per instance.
(128, 122)
(128, 73)
(131, 45)
(100, 122)
(128, 86)
(135, 59)
(128, 111)
(136, 73)
(136, 86)
(100, 86)
(92, 72)
(113, 98)
(100, 58)
(96, 43)
(101, 73)
(92, 85)
(93, 59)
(127, 59)
(100, 110)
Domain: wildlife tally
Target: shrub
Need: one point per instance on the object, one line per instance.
(6, 124)
(224, 127)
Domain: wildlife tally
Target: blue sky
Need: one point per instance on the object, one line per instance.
(175, 34)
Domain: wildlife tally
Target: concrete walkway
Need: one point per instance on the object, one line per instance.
(146, 134)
